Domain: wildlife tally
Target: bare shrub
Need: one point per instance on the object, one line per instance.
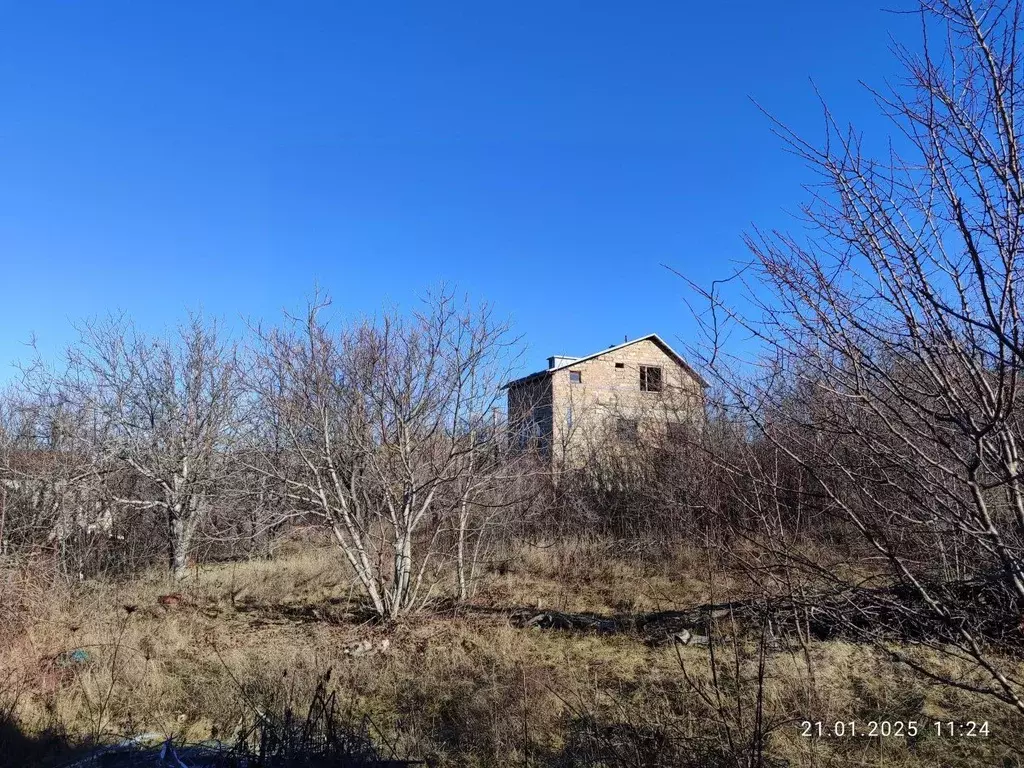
(891, 336)
(152, 422)
(387, 436)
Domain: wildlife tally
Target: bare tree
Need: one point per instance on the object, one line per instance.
(9, 429)
(892, 335)
(386, 430)
(156, 417)
(44, 493)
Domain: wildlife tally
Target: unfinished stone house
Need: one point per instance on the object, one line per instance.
(638, 390)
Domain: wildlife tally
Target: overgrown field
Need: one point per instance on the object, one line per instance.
(460, 685)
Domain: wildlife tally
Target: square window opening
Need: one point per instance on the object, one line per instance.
(677, 431)
(620, 365)
(626, 429)
(650, 378)
(575, 377)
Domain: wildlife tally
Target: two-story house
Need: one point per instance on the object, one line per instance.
(619, 395)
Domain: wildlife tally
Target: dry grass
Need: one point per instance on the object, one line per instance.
(464, 686)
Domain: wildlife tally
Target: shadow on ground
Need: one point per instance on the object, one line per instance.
(46, 749)
(320, 739)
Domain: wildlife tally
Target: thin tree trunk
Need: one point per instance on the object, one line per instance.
(461, 555)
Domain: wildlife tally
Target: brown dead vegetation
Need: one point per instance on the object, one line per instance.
(462, 683)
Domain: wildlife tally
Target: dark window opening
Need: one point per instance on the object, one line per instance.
(620, 365)
(650, 378)
(676, 431)
(626, 429)
(575, 377)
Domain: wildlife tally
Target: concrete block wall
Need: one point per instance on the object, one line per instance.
(585, 414)
(579, 416)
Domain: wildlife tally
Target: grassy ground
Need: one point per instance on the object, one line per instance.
(465, 686)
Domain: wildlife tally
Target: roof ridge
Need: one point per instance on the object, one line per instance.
(649, 337)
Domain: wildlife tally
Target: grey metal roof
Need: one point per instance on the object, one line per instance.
(649, 337)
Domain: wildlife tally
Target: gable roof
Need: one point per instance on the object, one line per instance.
(653, 337)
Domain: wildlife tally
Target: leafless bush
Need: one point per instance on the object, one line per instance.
(152, 421)
(891, 336)
(711, 483)
(387, 434)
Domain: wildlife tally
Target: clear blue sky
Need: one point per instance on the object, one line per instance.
(545, 156)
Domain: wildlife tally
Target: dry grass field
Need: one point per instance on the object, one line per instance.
(459, 685)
